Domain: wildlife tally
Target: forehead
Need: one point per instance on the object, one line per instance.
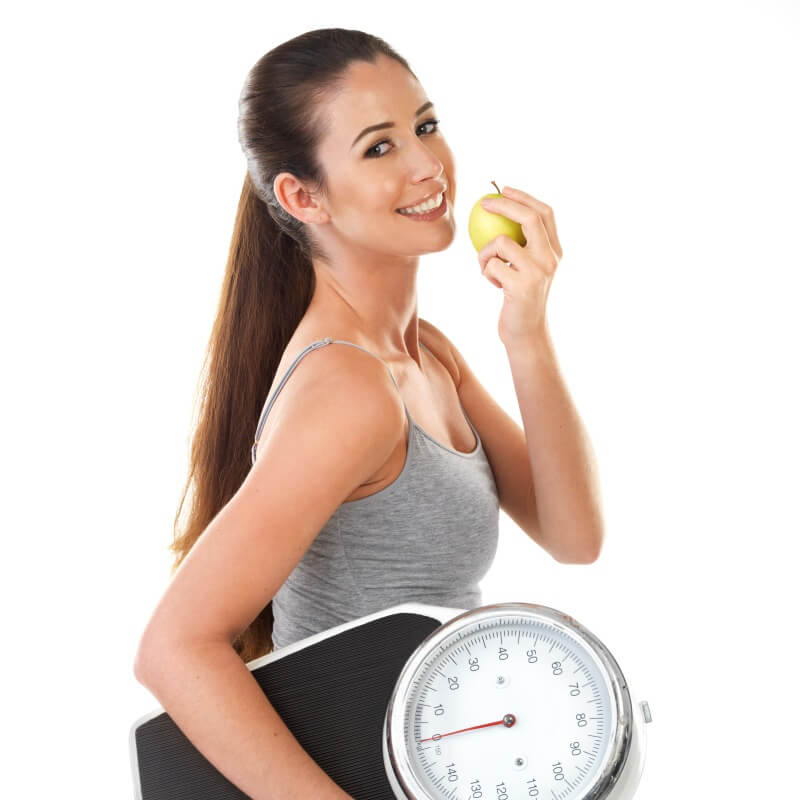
(371, 93)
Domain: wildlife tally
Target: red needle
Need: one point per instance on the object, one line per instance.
(508, 720)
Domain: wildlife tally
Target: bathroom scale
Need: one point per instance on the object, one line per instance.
(422, 702)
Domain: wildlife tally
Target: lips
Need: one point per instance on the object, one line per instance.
(423, 199)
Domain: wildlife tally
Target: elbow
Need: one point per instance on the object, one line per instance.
(141, 665)
(158, 652)
(592, 552)
(577, 558)
(587, 553)
(588, 559)
(155, 641)
(146, 656)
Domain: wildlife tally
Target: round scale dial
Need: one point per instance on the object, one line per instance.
(518, 701)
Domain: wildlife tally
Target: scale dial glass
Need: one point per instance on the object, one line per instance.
(503, 708)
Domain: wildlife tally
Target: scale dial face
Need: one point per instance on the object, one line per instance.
(506, 702)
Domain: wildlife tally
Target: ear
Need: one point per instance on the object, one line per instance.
(296, 200)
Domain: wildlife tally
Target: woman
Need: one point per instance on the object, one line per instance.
(366, 483)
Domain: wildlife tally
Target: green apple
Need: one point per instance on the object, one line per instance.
(484, 225)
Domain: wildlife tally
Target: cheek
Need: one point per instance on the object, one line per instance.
(388, 196)
(372, 195)
(373, 200)
(366, 199)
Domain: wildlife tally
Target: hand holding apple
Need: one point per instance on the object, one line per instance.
(484, 225)
(521, 264)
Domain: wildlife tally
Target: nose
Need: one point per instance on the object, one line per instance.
(423, 163)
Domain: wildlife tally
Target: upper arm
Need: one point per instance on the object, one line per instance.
(503, 439)
(340, 420)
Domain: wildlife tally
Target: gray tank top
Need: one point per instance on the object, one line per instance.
(429, 536)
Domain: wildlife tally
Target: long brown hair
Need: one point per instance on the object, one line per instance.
(269, 277)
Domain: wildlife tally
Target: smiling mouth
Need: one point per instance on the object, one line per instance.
(433, 212)
(407, 209)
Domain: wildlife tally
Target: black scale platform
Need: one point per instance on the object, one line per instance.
(331, 694)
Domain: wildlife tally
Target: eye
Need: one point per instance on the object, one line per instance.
(372, 152)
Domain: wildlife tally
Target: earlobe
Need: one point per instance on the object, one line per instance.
(312, 214)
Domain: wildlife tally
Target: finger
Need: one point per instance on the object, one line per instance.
(533, 226)
(507, 249)
(545, 212)
(500, 273)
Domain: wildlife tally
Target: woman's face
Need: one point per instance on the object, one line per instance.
(372, 174)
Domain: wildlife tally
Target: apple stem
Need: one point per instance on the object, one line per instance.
(496, 187)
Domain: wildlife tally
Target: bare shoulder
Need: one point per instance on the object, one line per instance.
(337, 371)
(444, 350)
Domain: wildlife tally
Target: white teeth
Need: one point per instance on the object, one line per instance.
(434, 202)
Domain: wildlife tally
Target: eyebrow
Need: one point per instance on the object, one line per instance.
(380, 125)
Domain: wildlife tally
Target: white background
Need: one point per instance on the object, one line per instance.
(665, 137)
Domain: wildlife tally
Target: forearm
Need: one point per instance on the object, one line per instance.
(214, 699)
(565, 477)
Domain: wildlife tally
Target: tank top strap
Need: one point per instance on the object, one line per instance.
(313, 346)
(352, 344)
